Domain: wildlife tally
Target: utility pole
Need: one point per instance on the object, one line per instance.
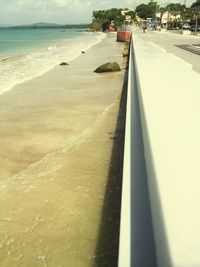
(168, 12)
(196, 26)
(183, 13)
(168, 17)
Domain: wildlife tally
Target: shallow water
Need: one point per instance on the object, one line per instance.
(52, 210)
(56, 138)
(27, 53)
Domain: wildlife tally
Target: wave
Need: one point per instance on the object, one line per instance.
(19, 68)
(47, 166)
(50, 164)
(10, 58)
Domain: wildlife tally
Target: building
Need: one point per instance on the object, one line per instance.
(168, 16)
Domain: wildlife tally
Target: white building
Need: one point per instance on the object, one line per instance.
(168, 16)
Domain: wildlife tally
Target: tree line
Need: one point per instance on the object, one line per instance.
(149, 10)
(102, 18)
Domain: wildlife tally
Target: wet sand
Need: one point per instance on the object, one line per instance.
(40, 115)
(57, 135)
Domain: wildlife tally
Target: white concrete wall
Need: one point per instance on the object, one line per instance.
(169, 99)
(125, 224)
(137, 246)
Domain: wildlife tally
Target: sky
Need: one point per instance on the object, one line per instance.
(17, 12)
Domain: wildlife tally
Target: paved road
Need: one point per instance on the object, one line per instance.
(172, 42)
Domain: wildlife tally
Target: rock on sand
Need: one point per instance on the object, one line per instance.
(108, 67)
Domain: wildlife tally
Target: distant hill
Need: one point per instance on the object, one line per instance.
(5, 25)
(44, 25)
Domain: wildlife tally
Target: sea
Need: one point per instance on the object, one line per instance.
(27, 53)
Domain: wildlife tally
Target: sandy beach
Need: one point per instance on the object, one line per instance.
(58, 133)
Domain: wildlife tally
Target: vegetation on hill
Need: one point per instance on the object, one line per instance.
(103, 18)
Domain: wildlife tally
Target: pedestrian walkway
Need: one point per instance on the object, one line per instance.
(170, 42)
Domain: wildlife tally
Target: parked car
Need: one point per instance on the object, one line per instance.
(186, 27)
(173, 28)
(195, 28)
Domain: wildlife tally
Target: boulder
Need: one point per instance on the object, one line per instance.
(108, 67)
(83, 52)
(125, 52)
(64, 64)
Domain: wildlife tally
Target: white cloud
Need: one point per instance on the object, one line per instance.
(24, 6)
(29, 3)
(61, 3)
(60, 11)
(88, 3)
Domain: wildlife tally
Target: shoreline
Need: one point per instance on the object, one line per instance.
(42, 102)
(58, 132)
(40, 60)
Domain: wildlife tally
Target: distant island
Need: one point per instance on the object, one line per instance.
(44, 25)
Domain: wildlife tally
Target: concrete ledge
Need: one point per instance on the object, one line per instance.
(161, 162)
(125, 223)
(137, 246)
(169, 103)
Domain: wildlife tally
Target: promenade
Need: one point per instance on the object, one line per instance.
(169, 42)
(164, 170)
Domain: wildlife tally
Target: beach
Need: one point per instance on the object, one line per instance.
(58, 133)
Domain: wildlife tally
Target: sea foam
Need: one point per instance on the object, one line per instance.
(16, 69)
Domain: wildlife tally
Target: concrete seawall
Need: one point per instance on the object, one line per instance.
(164, 143)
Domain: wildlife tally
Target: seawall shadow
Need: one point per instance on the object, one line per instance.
(143, 252)
(106, 254)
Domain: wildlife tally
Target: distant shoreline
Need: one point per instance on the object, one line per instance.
(35, 26)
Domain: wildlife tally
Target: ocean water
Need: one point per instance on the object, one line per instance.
(27, 53)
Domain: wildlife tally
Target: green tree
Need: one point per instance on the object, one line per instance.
(102, 19)
(131, 13)
(145, 11)
(196, 5)
(141, 10)
(96, 25)
(175, 7)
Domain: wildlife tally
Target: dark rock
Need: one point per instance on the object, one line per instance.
(125, 52)
(83, 52)
(64, 64)
(108, 67)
